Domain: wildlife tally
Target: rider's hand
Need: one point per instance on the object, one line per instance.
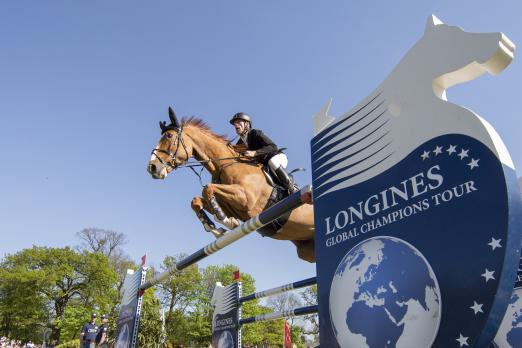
(249, 153)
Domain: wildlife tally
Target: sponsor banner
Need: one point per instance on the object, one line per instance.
(417, 208)
(418, 254)
(226, 332)
(130, 309)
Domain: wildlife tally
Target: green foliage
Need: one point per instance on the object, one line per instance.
(181, 290)
(72, 321)
(309, 297)
(263, 332)
(39, 285)
(297, 335)
(150, 323)
(56, 289)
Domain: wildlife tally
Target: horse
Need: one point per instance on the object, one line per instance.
(239, 189)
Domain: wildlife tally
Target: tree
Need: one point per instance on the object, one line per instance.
(52, 279)
(178, 295)
(284, 301)
(22, 309)
(108, 243)
(311, 326)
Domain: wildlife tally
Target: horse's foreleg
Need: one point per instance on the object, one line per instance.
(233, 195)
(198, 206)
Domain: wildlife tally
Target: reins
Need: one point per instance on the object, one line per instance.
(175, 163)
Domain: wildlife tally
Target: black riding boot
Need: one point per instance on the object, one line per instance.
(286, 180)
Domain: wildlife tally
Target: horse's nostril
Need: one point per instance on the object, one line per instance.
(152, 168)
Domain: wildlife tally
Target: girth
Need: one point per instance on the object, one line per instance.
(278, 193)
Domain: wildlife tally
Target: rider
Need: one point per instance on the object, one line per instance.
(262, 148)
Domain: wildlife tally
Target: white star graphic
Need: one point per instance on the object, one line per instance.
(473, 163)
(488, 275)
(438, 150)
(463, 153)
(495, 243)
(463, 341)
(477, 307)
(425, 155)
(451, 149)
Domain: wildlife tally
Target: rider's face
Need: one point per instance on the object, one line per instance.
(241, 126)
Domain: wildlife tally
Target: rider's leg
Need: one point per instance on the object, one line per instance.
(278, 165)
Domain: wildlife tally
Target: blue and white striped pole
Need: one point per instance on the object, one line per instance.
(277, 290)
(277, 315)
(284, 206)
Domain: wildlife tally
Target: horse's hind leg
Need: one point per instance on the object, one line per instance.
(198, 205)
(305, 249)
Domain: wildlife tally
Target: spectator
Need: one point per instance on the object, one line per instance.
(101, 337)
(89, 332)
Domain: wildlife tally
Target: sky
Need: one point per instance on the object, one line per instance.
(83, 85)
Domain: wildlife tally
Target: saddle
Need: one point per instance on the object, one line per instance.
(273, 180)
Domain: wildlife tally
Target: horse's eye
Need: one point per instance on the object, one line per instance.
(169, 135)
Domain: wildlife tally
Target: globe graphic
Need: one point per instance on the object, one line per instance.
(225, 340)
(509, 334)
(385, 294)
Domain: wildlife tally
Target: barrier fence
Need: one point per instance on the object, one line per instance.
(227, 319)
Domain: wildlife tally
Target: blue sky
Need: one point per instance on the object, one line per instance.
(83, 85)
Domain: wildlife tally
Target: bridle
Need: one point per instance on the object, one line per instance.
(175, 162)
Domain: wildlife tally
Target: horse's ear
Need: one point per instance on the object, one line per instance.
(432, 22)
(163, 127)
(173, 118)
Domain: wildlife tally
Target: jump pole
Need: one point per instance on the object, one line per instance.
(278, 315)
(286, 205)
(278, 290)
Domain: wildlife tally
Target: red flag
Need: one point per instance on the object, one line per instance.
(143, 259)
(236, 275)
(288, 336)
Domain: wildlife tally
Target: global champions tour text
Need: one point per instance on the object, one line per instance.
(345, 223)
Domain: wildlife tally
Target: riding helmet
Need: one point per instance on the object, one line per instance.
(240, 116)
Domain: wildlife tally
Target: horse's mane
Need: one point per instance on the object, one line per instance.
(202, 126)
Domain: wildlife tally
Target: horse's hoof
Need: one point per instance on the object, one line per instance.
(215, 233)
(219, 232)
(234, 222)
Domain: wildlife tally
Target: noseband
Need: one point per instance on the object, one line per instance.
(174, 161)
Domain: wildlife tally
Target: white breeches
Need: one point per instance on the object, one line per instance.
(279, 160)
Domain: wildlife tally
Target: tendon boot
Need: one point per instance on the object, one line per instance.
(286, 180)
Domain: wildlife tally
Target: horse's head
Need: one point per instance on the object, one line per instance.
(459, 56)
(173, 149)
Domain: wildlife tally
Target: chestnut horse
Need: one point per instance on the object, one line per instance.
(239, 188)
